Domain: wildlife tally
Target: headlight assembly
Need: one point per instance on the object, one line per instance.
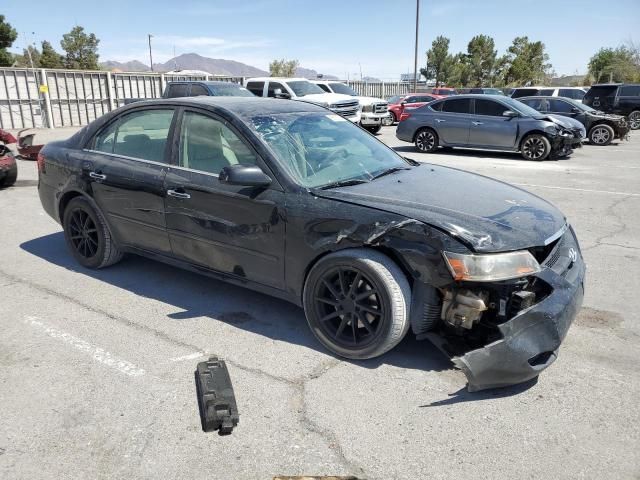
(491, 267)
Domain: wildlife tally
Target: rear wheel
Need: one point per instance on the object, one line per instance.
(11, 176)
(535, 147)
(87, 235)
(634, 120)
(357, 303)
(601, 134)
(426, 140)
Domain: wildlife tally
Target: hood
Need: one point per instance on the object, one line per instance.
(370, 100)
(566, 122)
(485, 214)
(326, 98)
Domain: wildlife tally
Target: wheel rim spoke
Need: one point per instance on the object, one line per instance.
(365, 323)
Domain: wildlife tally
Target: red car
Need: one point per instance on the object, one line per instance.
(444, 91)
(398, 103)
(8, 166)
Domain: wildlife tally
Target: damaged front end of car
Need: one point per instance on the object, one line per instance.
(505, 332)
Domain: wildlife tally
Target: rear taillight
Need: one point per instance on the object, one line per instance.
(404, 116)
(40, 162)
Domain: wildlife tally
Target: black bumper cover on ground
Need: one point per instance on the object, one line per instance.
(531, 339)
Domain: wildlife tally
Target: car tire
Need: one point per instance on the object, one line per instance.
(87, 235)
(535, 147)
(10, 178)
(601, 135)
(373, 129)
(426, 140)
(341, 315)
(388, 121)
(634, 120)
(393, 118)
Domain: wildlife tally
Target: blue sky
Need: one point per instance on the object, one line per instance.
(332, 36)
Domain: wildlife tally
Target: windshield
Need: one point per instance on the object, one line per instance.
(344, 89)
(319, 149)
(230, 91)
(302, 88)
(520, 107)
(493, 91)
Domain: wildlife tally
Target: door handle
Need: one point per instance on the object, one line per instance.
(478, 123)
(97, 176)
(439, 120)
(176, 194)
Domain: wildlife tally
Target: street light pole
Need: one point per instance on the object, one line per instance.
(150, 56)
(415, 54)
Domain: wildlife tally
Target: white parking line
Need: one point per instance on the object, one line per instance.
(191, 356)
(577, 189)
(97, 353)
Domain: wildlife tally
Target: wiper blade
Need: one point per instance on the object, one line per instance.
(343, 183)
(388, 171)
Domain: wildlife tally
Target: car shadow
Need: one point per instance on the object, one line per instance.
(459, 152)
(195, 296)
(462, 395)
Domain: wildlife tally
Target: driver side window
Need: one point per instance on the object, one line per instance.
(208, 145)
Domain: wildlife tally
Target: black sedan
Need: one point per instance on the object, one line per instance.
(601, 127)
(289, 199)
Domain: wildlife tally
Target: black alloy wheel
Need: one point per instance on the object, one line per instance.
(349, 306)
(83, 234)
(426, 140)
(536, 147)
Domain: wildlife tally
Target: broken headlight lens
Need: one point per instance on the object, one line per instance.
(491, 267)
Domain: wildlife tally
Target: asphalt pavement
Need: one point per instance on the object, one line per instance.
(96, 367)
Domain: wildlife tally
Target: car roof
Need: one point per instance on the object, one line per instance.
(279, 79)
(543, 97)
(241, 106)
(206, 82)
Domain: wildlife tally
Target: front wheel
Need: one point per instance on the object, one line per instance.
(426, 140)
(601, 135)
(388, 121)
(357, 303)
(88, 236)
(373, 129)
(535, 147)
(10, 177)
(634, 120)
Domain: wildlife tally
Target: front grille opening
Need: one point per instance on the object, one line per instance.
(541, 358)
(541, 253)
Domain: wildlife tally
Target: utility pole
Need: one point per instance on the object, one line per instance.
(415, 54)
(150, 56)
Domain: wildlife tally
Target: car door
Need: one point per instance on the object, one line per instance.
(490, 128)
(452, 123)
(235, 230)
(125, 164)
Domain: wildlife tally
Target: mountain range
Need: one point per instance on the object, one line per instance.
(215, 66)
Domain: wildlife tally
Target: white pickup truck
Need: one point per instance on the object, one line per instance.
(374, 111)
(303, 90)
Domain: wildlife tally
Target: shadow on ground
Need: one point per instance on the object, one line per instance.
(459, 152)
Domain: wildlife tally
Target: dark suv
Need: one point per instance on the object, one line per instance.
(619, 98)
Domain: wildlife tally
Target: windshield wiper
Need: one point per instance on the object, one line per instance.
(343, 183)
(388, 171)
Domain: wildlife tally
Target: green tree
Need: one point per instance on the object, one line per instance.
(481, 59)
(49, 58)
(527, 62)
(615, 65)
(81, 49)
(8, 35)
(283, 68)
(27, 61)
(437, 58)
(459, 71)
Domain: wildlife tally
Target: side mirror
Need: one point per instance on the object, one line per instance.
(403, 103)
(509, 114)
(280, 94)
(575, 110)
(244, 175)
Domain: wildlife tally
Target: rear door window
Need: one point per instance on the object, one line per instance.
(141, 135)
(178, 90)
(546, 92)
(457, 105)
(256, 88)
(602, 92)
(436, 106)
(324, 87)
